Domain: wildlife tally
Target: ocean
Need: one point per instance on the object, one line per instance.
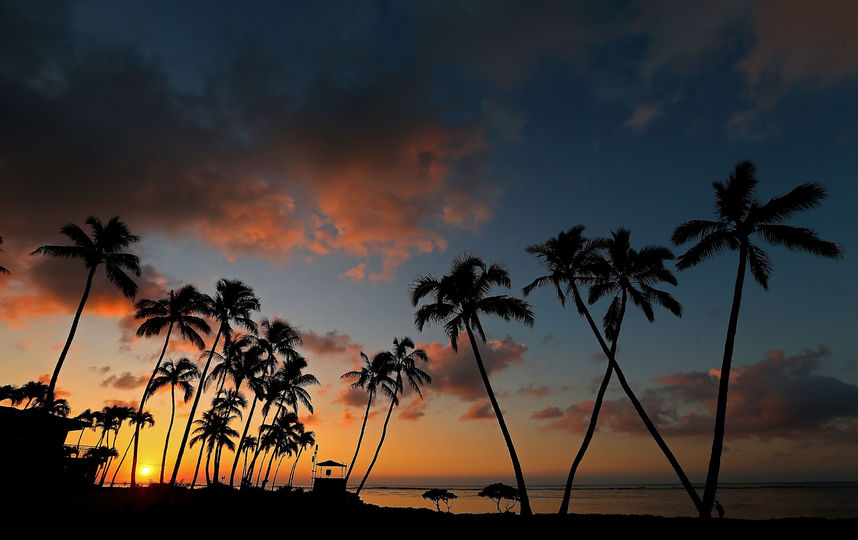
(741, 501)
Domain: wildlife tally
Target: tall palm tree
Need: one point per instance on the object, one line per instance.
(88, 418)
(459, 298)
(244, 447)
(214, 431)
(172, 374)
(2, 269)
(258, 385)
(571, 259)
(281, 437)
(180, 310)
(104, 245)
(374, 374)
(144, 419)
(233, 304)
(406, 369)
(740, 218)
(229, 405)
(117, 414)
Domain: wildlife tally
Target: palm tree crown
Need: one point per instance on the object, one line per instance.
(181, 309)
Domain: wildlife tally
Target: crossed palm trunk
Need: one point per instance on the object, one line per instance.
(377, 449)
(136, 437)
(243, 435)
(194, 408)
(295, 464)
(614, 367)
(169, 430)
(360, 438)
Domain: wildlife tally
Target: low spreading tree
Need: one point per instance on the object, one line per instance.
(501, 494)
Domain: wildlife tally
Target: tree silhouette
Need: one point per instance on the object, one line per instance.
(172, 374)
(144, 419)
(374, 374)
(179, 310)
(500, 493)
(439, 496)
(232, 304)
(459, 298)
(740, 218)
(103, 245)
(405, 368)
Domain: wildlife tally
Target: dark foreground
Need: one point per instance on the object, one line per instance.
(159, 512)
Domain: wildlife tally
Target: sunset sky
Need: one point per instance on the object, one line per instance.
(326, 153)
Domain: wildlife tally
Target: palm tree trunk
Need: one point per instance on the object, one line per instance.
(362, 428)
(216, 472)
(292, 473)
(197, 469)
(140, 409)
(653, 431)
(79, 437)
(249, 473)
(109, 461)
(721, 406)
(378, 448)
(519, 476)
(259, 473)
(49, 395)
(277, 471)
(194, 409)
(208, 464)
(243, 435)
(121, 461)
(268, 470)
(169, 429)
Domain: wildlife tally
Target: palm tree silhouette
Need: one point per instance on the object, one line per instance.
(172, 374)
(258, 383)
(374, 374)
(143, 419)
(35, 392)
(88, 417)
(2, 269)
(179, 310)
(232, 304)
(739, 217)
(405, 368)
(103, 245)
(460, 297)
(305, 439)
(115, 416)
(281, 438)
(228, 404)
(214, 432)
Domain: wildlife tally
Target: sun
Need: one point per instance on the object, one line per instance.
(145, 470)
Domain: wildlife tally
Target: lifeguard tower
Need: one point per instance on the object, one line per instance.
(329, 478)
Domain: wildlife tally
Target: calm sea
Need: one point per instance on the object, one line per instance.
(743, 501)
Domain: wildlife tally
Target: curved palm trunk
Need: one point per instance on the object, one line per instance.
(268, 470)
(197, 469)
(249, 473)
(49, 395)
(378, 448)
(216, 472)
(243, 435)
(194, 409)
(140, 409)
(519, 476)
(653, 431)
(109, 461)
(208, 464)
(292, 473)
(259, 473)
(362, 429)
(721, 406)
(121, 461)
(169, 429)
(277, 471)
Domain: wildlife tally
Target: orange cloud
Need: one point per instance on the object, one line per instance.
(479, 411)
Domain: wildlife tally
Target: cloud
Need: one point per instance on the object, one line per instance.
(535, 391)
(125, 381)
(547, 412)
(251, 165)
(352, 398)
(456, 373)
(481, 410)
(643, 115)
(330, 343)
(413, 411)
(779, 396)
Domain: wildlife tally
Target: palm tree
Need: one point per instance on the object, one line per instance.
(214, 431)
(87, 417)
(35, 392)
(406, 369)
(571, 259)
(143, 419)
(13, 393)
(103, 245)
(374, 374)
(179, 374)
(179, 310)
(117, 415)
(308, 438)
(281, 438)
(229, 405)
(232, 304)
(2, 269)
(244, 447)
(459, 298)
(739, 218)
(258, 385)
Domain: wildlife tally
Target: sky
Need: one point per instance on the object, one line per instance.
(326, 153)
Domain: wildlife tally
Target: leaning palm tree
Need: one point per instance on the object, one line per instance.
(459, 298)
(104, 245)
(281, 438)
(172, 374)
(87, 417)
(739, 218)
(180, 311)
(258, 385)
(144, 419)
(306, 439)
(374, 374)
(118, 414)
(233, 304)
(2, 269)
(228, 404)
(572, 260)
(35, 392)
(406, 369)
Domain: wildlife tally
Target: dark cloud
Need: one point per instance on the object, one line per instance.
(457, 374)
(413, 410)
(780, 396)
(329, 343)
(481, 410)
(547, 412)
(534, 390)
(125, 381)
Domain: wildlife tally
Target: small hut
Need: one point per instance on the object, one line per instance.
(326, 481)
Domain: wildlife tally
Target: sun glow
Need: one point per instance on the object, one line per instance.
(145, 470)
